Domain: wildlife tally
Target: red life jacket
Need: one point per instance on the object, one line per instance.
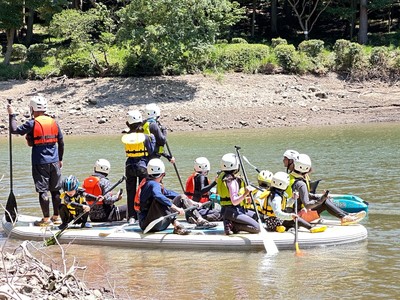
(136, 204)
(189, 191)
(92, 186)
(45, 131)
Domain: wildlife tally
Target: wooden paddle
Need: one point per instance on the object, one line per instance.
(269, 243)
(53, 239)
(11, 206)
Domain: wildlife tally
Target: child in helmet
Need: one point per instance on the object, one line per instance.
(105, 209)
(288, 159)
(311, 202)
(229, 184)
(153, 201)
(73, 203)
(277, 217)
(261, 193)
(198, 189)
(139, 147)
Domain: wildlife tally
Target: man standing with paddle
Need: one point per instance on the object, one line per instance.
(43, 134)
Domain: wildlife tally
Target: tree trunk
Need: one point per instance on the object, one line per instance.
(253, 18)
(363, 32)
(29, 27)
(353, 18)
(274, 17)
(10, 41)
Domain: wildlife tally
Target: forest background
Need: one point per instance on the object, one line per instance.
(358, 39)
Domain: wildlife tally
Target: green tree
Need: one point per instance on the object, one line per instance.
(168, 32)
(11, 19)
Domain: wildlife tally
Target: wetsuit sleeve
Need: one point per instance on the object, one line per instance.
(60, 141)
(159, 135)
(301, 187)
(150, 144)
(109, 198)
(204, 188)
(276, 205)
(25, 128)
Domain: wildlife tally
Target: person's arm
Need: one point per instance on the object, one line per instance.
(233, 188)
(108, 198)
(159, 135)
(301, 187)
(204, 188)
(150, 144)
(159, 196)
(276, 204)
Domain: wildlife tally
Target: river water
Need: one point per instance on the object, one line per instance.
(363, 160)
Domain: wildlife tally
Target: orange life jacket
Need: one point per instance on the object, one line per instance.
(136, 204)
(45, 131)
(189, 191)
(92, 186)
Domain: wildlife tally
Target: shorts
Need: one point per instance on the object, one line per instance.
(47, 177)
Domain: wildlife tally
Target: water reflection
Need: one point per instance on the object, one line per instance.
(362, 160)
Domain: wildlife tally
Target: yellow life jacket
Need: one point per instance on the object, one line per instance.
(222, 188)
(293, 176)
(77, 198)
(146, 129)
(134, 144)
(268, 207)
(259, 198)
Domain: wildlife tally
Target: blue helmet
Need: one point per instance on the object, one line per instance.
(71, 183)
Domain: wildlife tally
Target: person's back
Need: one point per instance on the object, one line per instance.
(43, 134)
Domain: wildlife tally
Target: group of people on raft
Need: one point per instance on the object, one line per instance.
(279, 198)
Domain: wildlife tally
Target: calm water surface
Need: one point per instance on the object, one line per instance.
(363, 160)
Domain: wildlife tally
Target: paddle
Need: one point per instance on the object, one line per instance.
(296, 227)
(53, 239)
(158, 220)
(251, 165)
(174, 164)
(11, 206)
(269, 243)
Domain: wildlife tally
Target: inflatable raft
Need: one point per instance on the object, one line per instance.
(120, 234)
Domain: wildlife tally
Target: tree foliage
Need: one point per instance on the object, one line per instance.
(165, 32)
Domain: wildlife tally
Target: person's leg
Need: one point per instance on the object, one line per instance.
(40, 176)
(54, 188)
(131, 185)
(156, 211)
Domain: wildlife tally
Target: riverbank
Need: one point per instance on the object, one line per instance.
(199, 102)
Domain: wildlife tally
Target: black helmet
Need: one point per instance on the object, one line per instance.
(71, 183)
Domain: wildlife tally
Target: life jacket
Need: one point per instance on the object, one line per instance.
(260, 199)
(134, 144)
(190, 189)
(268, 208)
(92, 186)
(136, 204)
(146, 129)
(223, 191)
(294, 177)
(45, 131)
(77, 198)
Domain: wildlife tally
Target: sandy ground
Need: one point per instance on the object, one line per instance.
(198, 102)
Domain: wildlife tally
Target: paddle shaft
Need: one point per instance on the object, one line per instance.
(269, 243)
(11, 205)
(174, 164)
(251, 165)
(296, 225)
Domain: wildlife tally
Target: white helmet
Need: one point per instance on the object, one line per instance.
(201, 164)
(134, 116)
(280, 180)
(152, 111)
(38, 103)
(229, 162)
(265, 176)
(302, 163)
(290, 154)
(155, 167)
(102, 166)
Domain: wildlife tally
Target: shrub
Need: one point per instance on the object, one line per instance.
(36, 53)
(78, 64)
(311, 47)
(239, 40)
(14, 71)
(239, 57)
(287, 57)
(18, 52)
(278, 41)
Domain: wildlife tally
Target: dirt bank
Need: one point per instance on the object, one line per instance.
(198, 102)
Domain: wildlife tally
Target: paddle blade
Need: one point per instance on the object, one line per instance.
(269, 243)
(11, 207)
(298, 251)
